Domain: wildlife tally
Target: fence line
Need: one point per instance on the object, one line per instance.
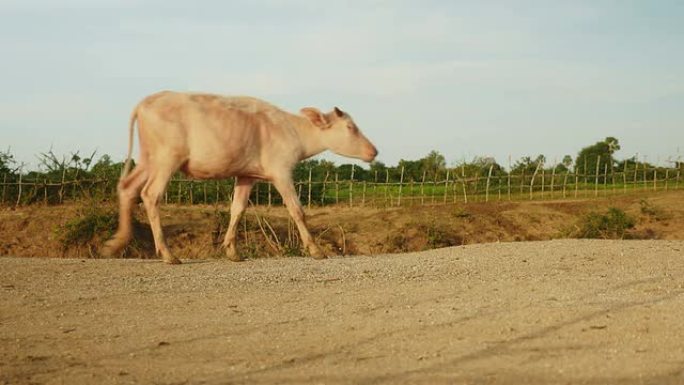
(20, 189)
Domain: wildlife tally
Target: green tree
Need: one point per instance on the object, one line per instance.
(105, 168)
(376, 168)
(413, 169)
(526, 165)
(567, 162)
(483, 163)
(599, 152)
(7, 163)
(432, 164)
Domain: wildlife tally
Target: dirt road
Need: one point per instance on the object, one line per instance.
(556, 312)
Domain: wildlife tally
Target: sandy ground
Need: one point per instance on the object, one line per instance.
(552, 312)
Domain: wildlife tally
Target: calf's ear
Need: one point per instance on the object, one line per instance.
(315, 116)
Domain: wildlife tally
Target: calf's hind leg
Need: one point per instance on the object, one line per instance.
(128, 190)
(151, 196)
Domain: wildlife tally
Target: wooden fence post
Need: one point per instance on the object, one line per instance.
(536, 170)
(387, 189)
(510, 171)
(636, 170)
(553, 177)
(401, 185)
(180, 190)
(19, 193)
(645, 174)
(565, 182)
(542, 182)
(363, 195)
(337, 188)
(605, 179)
(412, 201)
(612, 177)
(34, 193)
(73, 185)
(375, 189)
(4, 187)
(446, 186)
(434, 188)
(325, 181)
(463, 179)
(498, 188)
(476, 186)
(576, 182)
(61, 187)
(309, 194)
(522, 182)
(667, 175)
(422, 190)
(351, 187)
(489, 176)
(45, 191)
(598, 161)
(655, 178)
(624, 179)
(465, 192)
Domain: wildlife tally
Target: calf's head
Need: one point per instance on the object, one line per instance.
(340, 134)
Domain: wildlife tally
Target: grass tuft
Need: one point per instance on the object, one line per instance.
(93, 222)
(612, 224)
(652, 211)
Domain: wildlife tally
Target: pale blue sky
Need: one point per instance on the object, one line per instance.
(466, 78)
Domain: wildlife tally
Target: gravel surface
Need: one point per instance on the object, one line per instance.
(554, 312)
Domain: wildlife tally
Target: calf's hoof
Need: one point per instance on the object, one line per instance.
(172, 261)
(168, 258)
(111, 248)
(317, 253)
(233, 255)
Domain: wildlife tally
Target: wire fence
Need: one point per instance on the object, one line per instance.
(388, 188)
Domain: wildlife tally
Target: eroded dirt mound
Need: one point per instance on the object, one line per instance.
(197, 231)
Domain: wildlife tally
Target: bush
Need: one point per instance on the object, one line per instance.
(610, 225)
(650, 210)
(93, 223)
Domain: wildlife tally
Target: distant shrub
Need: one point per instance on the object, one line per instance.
(652, 211)
(612, 224)
(462, 213)
(396, 242)
(93, 222)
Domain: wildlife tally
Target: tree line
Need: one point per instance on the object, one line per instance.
(598, 156)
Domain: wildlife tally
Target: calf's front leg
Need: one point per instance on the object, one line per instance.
(286, 189)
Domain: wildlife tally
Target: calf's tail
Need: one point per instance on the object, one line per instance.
(131, 129)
